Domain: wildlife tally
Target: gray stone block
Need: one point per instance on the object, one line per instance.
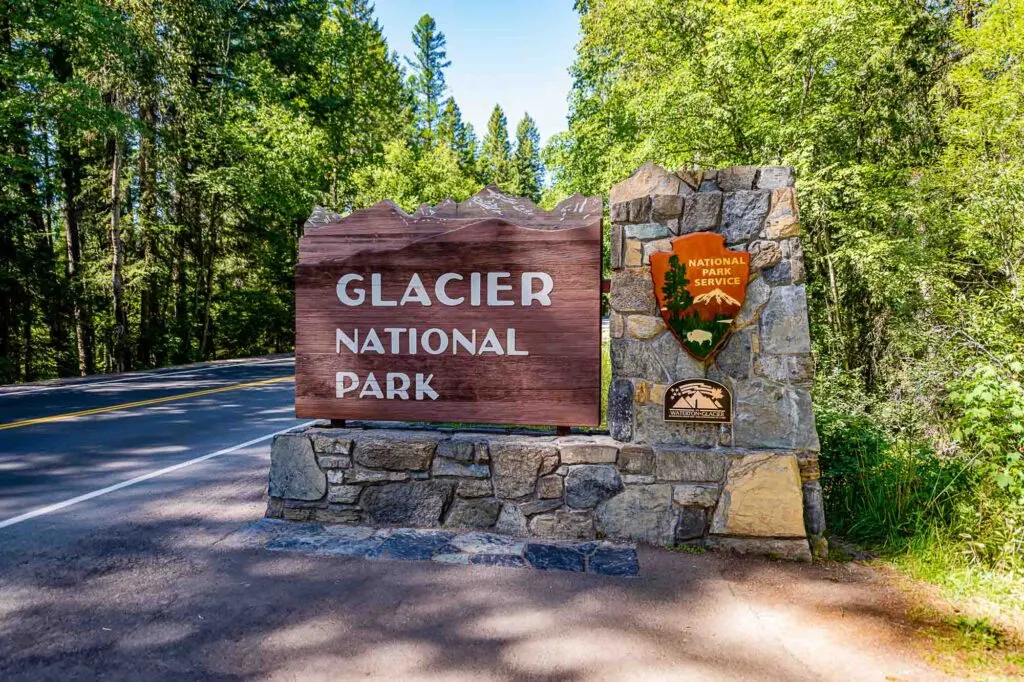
(650, 427)
(783, 324)
(515, 466)
(620, 409)
(640, 513)
(415, 503)
(632, 291)
(764, 254)
(679, 464)
(636, 459)
(776, 177)
(549, 557)
(785, 369)
(702, 212)
(616, 249)
(345, 494)
(540, 506)
(769, 415)
(814, 508)
(659, 360)
(736, 356)
(474, 488)
(613, 560)
(737, 178)
(584, 450)
(294, 473)
(325, 443)
(449, 467)
(459, 450)
(396, 450)
(796, 549)
(334, 461)
(743, 214)
(757, 296)
(480, 512)
(511, 521)
(695, 494)
(779, 275)
(564, 525)
(646, 231)
(550, 487)
(692, 523)
(587, 485)
(361, 475)
(666, 207)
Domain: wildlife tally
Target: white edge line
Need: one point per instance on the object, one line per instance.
(148, 375)
(145, 477)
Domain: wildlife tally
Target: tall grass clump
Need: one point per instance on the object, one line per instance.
(951, 506)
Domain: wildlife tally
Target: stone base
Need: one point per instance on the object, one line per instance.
(442, 546)
(577, 487)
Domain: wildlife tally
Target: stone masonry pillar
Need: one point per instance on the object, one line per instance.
(749, 486)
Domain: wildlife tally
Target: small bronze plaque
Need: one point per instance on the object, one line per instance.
(698, 400)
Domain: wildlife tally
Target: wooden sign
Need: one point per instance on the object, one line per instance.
(484, 311)
(700, 286)
(698, 400)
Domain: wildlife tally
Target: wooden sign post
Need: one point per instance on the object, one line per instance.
(484, 311)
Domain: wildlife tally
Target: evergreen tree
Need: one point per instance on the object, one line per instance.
(495, 154)
(527, 170)
(458, 136)
(427, 79)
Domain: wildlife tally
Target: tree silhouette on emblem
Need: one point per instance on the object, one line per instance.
(677, 298)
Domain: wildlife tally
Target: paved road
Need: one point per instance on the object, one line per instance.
(152, 581)
(133, 425)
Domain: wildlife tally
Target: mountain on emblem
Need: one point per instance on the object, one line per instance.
(716, 296)
(700, 286)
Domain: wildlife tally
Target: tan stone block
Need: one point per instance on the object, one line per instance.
(692, 178)
(641, 390)
(764, 254)
(762, 497)
(645, 326)
(658, 394)
(616, 325)
(663, 245)
(550, 487)
(783, 219)
(647, 180)
(634, 257)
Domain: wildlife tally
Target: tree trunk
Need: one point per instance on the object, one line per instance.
(121, 357)
(70, 174)
(150, 325)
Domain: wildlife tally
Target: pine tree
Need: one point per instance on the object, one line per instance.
(527, 170)
(495, 156)
(427, 80)
(458, 136)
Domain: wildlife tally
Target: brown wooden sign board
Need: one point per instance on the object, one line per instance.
(484, 311)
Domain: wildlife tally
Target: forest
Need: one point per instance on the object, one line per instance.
(159, 160)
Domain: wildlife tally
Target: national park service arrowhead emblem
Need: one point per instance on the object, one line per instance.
(700, 286)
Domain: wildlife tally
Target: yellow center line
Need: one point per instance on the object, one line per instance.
(141, 403)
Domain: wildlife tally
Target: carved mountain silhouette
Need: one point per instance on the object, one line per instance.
(716, 296)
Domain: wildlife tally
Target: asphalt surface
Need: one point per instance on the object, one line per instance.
(154, 580)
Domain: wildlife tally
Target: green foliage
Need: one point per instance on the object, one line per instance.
(527, 169)
(905, 123)
(495, 153)
(427, 80)
(226, 123)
